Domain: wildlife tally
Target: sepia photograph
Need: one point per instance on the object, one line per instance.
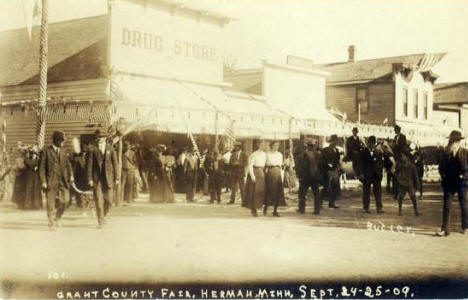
(233, 149)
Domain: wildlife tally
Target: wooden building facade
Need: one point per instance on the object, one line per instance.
(145, 64)
(386, 92)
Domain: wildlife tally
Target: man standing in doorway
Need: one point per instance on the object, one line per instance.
(56, 176)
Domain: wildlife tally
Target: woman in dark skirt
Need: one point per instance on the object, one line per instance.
(155, 174)
(32, 189)
(255, 186)
(273, 180)
(168, 176)
(20, 179)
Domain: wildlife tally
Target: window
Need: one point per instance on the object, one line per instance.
(415, 103)
(426, 106)
(362, 100)
(405, 102)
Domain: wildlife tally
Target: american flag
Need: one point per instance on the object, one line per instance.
(229, 132)
(429, 60)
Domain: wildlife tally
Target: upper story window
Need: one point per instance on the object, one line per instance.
(405, 102)
(362, 100)
(415, 103)
(426, 105)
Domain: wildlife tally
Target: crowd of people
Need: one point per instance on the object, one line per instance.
(92, 174)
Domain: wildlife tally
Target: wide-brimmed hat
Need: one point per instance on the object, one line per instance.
(99, 134)
(455, 135)
(333, 138)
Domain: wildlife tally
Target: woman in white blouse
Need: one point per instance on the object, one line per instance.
(273, 180)
(255, 185)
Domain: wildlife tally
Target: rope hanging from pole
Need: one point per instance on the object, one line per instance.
(42, 105)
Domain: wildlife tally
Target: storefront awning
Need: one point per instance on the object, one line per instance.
(179, 107)
(163, 105)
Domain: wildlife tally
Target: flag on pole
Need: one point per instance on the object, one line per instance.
(429, 60)
(229, 132)
(31, 12)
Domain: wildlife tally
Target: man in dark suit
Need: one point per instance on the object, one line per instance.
(370, 173)
(353, 148)
(331, 167)
(454, 174)
(310, 175)
(399, 142)
(238, 163)
(102, 169)
(56, 176)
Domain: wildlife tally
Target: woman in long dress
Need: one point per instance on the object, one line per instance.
(273, 180)
(255, 185)
(167, 188)
(32, 189)
(20, 179)
(155, 176)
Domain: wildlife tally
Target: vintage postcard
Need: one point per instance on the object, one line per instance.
(233, 149)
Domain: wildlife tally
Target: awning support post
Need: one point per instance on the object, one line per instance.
(216, 144)
(291, 155)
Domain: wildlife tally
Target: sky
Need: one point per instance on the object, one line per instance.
(320, 30)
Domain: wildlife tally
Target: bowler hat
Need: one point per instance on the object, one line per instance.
(333, 138)
(396, 127)
(58, 135)
(455, 135)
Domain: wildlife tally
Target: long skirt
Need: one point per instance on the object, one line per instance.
(19, 188)
(155, 190)
(32, 191)
(255, 191)
(167, 187)
(274, 187)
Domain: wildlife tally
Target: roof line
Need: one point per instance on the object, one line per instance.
(447, 85)
(377, 58)
(53, 23)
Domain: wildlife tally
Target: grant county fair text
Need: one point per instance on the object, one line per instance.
(296, 292)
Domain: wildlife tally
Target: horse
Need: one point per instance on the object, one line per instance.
(382, 146)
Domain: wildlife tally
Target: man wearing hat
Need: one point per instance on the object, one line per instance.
(129, 164)
(309, 173)
(102, 170)
(331, 164)
(353, 148)
(56, 176)
(399, 142)
(452, 169)
(238, 163)
(370, 173)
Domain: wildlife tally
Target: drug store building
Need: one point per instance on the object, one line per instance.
(145, 65)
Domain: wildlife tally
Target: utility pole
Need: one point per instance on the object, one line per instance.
(44, 48)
